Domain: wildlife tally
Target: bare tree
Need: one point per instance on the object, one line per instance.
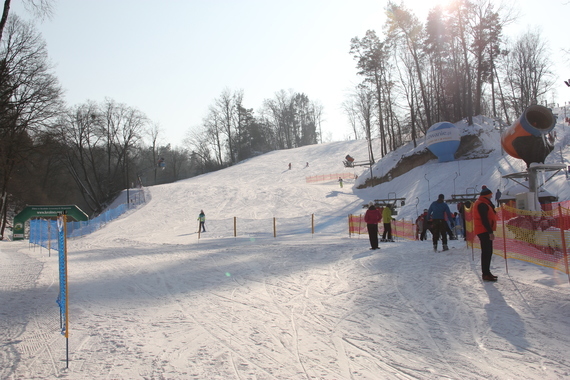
(294, 119)
(318, 110)
(350, 110)
(82, 152)
(213, 133)
(226, 113)
(404, 26)
(409, 89)
(153, 132)
(178, 159)
(278, 113)
(39, 8)
(30, 99)
(198, 142)
(361, 105)
(305, 123)
(372, 57)
(97, 141)
(528, 71)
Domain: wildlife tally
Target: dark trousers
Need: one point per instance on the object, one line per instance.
(439, 229)
(373, 235)
(387, 231)
(449, 232)
(202, 226)
(486, 252)
(424, 233)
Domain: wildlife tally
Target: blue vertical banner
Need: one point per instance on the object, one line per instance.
(62, 250)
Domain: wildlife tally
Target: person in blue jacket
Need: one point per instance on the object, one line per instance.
(438, 212)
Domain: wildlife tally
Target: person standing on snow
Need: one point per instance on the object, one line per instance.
(387, 221)
(426, 225)
(202, 219)
(461, 209)
(484, 226)
(458, 230)
(372, 218)
(340, 182)
(498, 196)
(419, 225)
(437, 212)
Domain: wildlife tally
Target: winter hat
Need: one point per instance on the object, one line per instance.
(486, 191)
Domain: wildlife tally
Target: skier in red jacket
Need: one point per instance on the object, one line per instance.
(372, 217)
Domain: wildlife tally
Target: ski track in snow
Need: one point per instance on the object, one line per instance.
(274, 311)
(150, 300)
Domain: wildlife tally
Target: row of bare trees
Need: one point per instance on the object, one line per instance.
(455, 65)
(231, 132)
(53, 154)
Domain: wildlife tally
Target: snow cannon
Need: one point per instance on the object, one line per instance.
(443, 140)
(526, 138)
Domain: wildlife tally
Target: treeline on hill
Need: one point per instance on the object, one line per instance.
(51, 153)
(231, 132)
(456, 65)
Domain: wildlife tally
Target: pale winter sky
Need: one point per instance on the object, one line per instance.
(171, 59)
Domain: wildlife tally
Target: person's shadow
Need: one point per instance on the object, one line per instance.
(503, 320)
(333, 194)
(361, 255)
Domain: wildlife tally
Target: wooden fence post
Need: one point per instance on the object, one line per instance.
(313, 224)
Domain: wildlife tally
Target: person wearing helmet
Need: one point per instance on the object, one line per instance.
(484, 226)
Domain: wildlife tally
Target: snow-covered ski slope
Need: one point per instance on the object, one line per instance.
(148, 299)
(263, 187)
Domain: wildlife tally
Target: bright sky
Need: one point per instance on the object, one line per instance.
(171, 59)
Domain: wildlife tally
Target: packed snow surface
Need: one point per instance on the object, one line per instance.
(149, 298)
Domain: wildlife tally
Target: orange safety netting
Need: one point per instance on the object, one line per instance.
(400, 228)
(404, 229)
(329, 177)
(356, 224)
(538, 237)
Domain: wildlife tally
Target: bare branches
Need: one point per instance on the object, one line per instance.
(455, 66)
(40, 9)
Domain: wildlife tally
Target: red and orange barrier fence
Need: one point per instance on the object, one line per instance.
(329, 177)
(405, 229)
(537, 237)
